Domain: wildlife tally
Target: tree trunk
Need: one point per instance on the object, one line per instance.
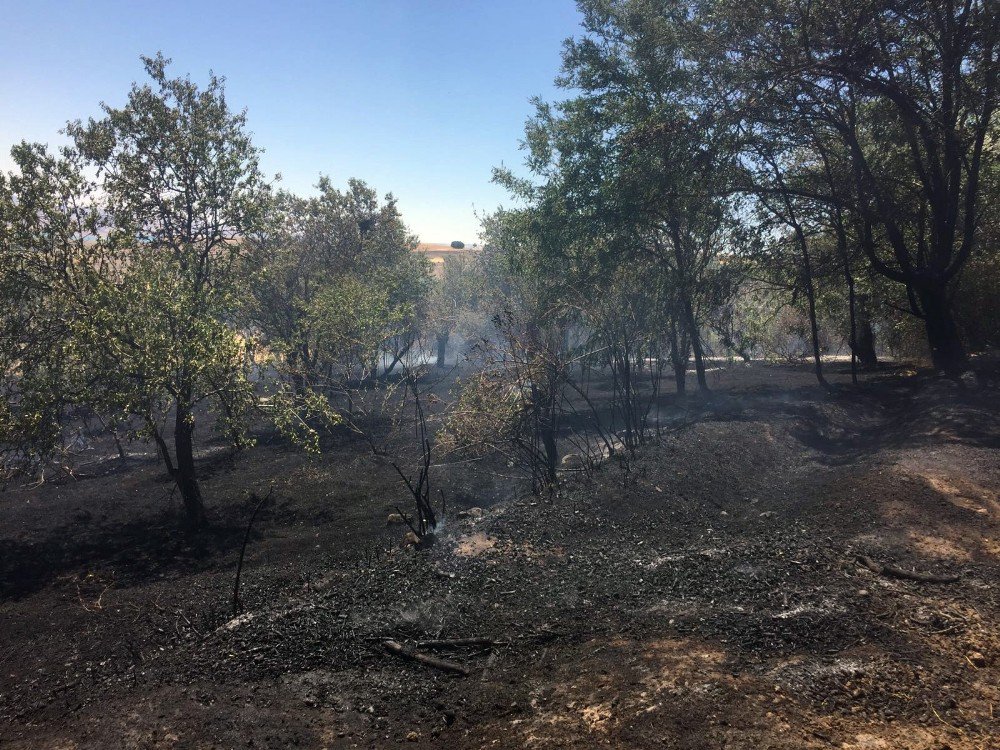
(687, 306)
(699, 357)
(852, 305)
(814, 329)
(161, 446)
(947, 351)
(548, 435)
(807, 276)
(864, 336)
(442, 347)
(295, 372)
(678, 358)
(810, 291)
(184, 472)
(545, 432)
(680, 376)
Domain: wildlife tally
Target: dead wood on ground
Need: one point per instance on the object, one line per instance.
(909, 575)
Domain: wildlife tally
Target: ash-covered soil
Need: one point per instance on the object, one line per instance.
(705, 593)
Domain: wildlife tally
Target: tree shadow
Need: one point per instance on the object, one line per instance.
(131, 552)
(893, 415)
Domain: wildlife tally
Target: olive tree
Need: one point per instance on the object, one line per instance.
(140, 274)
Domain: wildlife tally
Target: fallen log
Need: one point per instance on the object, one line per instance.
(396, 648)
(908, 575)
(459, 643)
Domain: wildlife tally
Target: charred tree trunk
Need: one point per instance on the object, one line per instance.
(397, 357)
(810, 291)
(442, 347)
(678, 358)
(864, 336)
(161, 447)
(695, 337)
(851, 296)
(687, 306)
(852, 313)
(548, 436)
(947, 351)
(544, 406)
(680, 376)
(845, 257)
(789, 217)
(184, 472)
(295, 371)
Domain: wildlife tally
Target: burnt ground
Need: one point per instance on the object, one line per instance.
(705, 595)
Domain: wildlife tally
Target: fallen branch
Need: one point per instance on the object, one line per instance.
(397, 648)
(909, 575)
(459, 643)
(243, 549)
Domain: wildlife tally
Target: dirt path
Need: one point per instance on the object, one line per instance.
(709, 596)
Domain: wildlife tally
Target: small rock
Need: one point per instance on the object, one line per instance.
(412, 736)
(572, 461)
(474, 513)
(394, 519)
(977, 658)
(968, 379)
(768, 514)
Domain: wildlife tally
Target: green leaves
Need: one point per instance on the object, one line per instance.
(125, 294)
(335, 282)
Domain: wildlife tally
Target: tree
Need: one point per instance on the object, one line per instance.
(514, 402)
(635, 163)
(146, 268)
(47, 213)
(909, 91)
(335, 285)
(452, 295)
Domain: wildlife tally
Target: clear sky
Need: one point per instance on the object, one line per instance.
(418, 97)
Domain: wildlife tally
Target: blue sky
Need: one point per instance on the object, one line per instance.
(418, 97)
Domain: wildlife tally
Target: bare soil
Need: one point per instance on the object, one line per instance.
(705, 593)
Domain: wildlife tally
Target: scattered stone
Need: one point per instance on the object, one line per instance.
(968, 379)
